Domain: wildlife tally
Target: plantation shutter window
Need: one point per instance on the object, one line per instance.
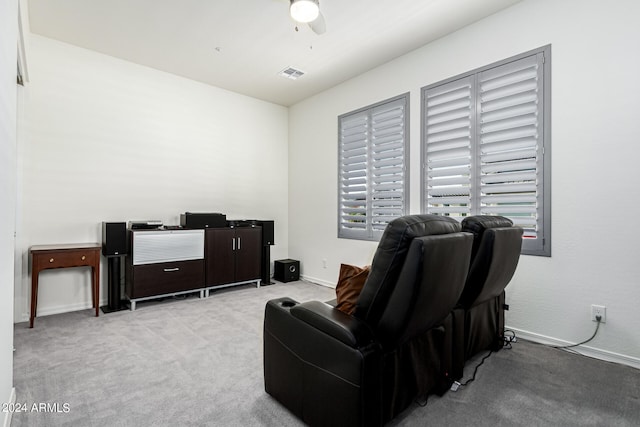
(485, 144)
(372, 168)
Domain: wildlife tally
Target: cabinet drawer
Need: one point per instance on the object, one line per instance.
(64, 259)
(165, 278)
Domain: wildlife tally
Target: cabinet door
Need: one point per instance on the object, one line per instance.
(220, 256)
(248, 253)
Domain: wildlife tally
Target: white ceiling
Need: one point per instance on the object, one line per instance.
(241, 45)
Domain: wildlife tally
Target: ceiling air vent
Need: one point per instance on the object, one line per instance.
(291, 73)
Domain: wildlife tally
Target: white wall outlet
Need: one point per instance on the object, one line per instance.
(599, 310)
(324, 263)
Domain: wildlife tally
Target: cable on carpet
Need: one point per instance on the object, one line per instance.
(598, 320)
(457, 384)
(508, 339)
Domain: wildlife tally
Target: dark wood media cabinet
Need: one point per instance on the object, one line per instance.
(165, 263)
(232, 256)
(164, 278)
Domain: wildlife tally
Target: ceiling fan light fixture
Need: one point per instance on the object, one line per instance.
(304, 10)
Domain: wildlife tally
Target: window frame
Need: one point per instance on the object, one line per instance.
(371, 231)
(541, 245)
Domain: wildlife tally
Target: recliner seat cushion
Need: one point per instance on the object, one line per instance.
(390, 256)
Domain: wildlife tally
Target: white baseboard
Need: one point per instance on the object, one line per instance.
(47, 311)
(585, 350)
(7, 415)
(318, 281)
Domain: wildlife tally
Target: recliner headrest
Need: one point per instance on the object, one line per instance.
(496, 250)
(478, 224)
(390, 255)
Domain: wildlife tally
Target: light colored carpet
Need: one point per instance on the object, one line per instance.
(198, 362)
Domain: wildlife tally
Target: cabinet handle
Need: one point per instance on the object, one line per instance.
(233, 243)
(51, 260)
(83, 257)
(238, 243)
(168, 270)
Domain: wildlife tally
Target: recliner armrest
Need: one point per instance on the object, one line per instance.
(343, 327)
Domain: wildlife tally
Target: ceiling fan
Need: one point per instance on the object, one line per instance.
(308, 12)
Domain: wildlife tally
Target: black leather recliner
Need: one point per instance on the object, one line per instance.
(330, 368)
(479, 315)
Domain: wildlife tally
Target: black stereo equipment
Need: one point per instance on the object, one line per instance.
(203, 220)
(233, 223)
(114, 238)
(149, 224)
(286, 270)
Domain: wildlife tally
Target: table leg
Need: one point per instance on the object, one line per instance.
(34, 296)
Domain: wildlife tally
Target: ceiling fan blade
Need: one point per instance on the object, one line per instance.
(318, 25)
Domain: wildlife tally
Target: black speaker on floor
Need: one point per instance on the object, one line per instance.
(114, 238)
(286, 270)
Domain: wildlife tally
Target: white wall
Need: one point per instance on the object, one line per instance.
(595, 128)
(108, 140)
(8, 100)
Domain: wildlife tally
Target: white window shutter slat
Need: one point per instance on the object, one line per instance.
(353, 168)
(509, 145)
(387, 163)
(448, 130)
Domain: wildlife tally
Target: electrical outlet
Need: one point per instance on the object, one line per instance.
(599, 310)
(324, 263)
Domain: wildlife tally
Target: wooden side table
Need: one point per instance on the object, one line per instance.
(64, 256)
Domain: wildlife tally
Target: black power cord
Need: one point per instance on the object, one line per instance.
(508, 339)
(475, 371)
(598, 320)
